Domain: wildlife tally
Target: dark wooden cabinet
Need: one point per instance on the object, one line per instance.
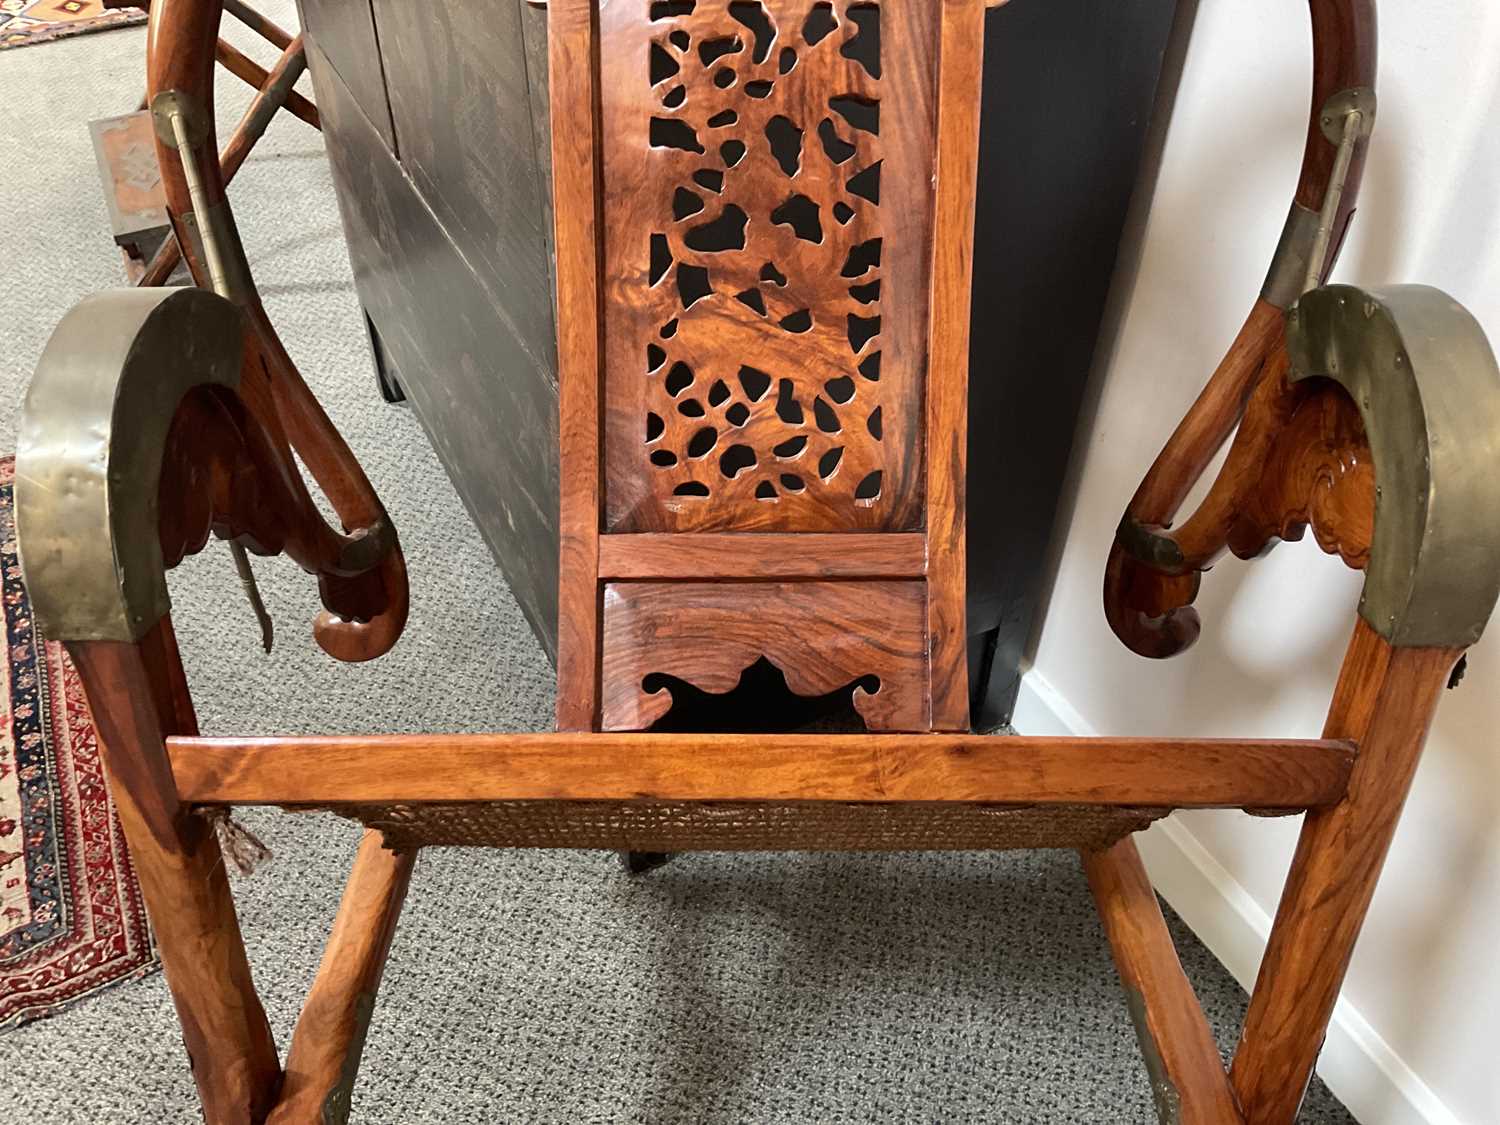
(435, 116)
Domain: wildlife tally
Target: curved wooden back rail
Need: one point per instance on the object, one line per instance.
(1152, 575)
(158, 417)
(180, 71)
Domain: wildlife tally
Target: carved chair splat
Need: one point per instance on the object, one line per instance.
(763, 262)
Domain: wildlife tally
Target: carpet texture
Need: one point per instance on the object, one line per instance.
(71, 917)
(542, 987)
(24, 23)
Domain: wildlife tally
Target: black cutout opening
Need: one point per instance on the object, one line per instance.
(667, 9)
(787, 61)
(869, 367)
(710, 178)
(866, 184)
(692, 284)
(725, 77)
(662, 65)
(869, 488)
(712, 50)
(824, 414)
(680, 40)
(736, 460)
(737, 415)
(753, 299)
(841, 390)
(663, 458)
(732, 152)
(769, 272)
(801, 214)
(668, 132)
(862, 113)
(873, 424)
(679, 379)
(674, 97)
(785, 140)
(865, 294)
(799, 321)
(761, 701)
(718, 394)
(838, 149)
(661, 258)
(702, 443)
(791, 448)
(691, 408)
(685, 204)
(753, 15)
(862, 258)
(862, 329)
(756, 383)
(788, 409)
(792, 482)
(820, 24)
(727, 232)
(654, 426)
(765, 490)
(828, 463)
(722, 118)
(864, 45)
(655, 357)
(760, 88)
(669, 329)
(691, 488)
(843, 212)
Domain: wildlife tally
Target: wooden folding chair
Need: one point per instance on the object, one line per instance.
(763, 251)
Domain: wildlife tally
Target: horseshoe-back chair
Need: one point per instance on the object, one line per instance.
(763, 258)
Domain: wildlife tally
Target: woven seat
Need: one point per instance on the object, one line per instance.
(650, 826)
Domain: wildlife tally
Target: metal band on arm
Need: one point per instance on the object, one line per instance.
(89, 460)
(1425, 381)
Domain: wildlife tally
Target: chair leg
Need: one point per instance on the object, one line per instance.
(1384, 701)
(324, 1055)
(139, 696)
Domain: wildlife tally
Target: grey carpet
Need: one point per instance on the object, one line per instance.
(537, 987)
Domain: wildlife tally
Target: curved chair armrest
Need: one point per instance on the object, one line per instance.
(1381, 432)
(1424, 379)
(136, 446)
(89, 457)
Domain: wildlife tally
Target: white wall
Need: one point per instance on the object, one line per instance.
(1427, 974)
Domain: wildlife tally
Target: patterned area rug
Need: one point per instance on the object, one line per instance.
(71, 919)
(24, 22)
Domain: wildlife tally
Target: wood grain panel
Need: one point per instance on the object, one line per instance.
(1184, 773)
(822, 635)
(764, 555)
(752, 165)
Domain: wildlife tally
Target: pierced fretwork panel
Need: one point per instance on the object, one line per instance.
(767, 186)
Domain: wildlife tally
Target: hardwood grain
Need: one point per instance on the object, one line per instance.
(1385, 700)
(1188, 1081)
(792, 179)
(703, 555)
(138, 697)
(1185, 773)
(822, 635)
(324, 1055)
(574, 62)
(961, 57)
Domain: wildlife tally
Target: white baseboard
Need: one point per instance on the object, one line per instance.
(1361, 1069)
